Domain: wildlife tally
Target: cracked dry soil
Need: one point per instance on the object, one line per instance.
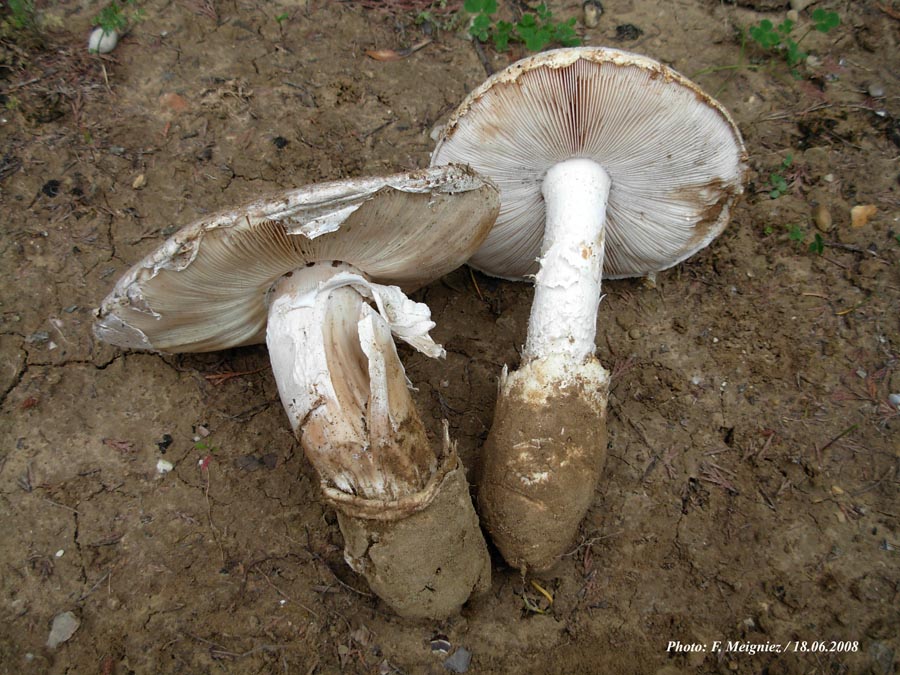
(751, 491)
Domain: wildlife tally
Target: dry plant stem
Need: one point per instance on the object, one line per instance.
(546, 450)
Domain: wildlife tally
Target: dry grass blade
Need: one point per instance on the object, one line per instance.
(395, 55)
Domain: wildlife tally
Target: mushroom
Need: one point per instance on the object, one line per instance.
(609, 164)
(306, 272)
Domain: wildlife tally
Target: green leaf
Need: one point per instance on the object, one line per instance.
(796, 233)
(825, 21)
(503, 31)
(479, 27)
(817, 245)
(473, 6)
(793, 54)
(785, 27)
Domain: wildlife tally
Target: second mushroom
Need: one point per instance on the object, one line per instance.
(609, 164)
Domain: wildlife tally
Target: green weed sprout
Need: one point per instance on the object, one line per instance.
(115, 18)
(779, 37)
(777, 181)
(798, 235)
(22, 15)
(22, 24)
(535, 30)
(817, 245)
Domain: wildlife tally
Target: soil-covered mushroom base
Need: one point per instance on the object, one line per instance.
(424, 564)
(542, 460)
(751, 486)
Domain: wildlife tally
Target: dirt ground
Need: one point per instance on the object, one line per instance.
(751, 491)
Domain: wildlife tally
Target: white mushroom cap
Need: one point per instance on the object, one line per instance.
(674, 156)
(205, 288)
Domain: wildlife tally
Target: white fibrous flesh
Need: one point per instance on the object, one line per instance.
(342, 383)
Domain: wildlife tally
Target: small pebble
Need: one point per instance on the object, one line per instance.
(861, 213)
(592, 11)
(459, 662)
(102, 42)
(800, 5)
(876, 90)
(164, 443)
(793, 15)
(822, 218)
(894, 400)
(64, 627)
(139, 182)
(813, 61)
(60, 553)
(628, 32)
(164, 466)
(38, 338)
(51, 188)
(440, 645)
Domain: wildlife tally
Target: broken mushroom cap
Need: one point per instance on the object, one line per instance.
(307, 273)
(206, 287)
(674, 156)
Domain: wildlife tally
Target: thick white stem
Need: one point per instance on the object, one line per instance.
(341, 382)
(563, 318)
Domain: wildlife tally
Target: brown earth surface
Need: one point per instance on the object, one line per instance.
(751, 488)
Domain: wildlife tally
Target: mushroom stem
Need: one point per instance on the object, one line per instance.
(342, 383)
(567, 288)
(540, 468)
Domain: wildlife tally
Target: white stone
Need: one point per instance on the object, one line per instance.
(102, 42)
(64, 627)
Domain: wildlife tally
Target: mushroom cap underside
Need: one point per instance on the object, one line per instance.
(675, 158)
(205, 288)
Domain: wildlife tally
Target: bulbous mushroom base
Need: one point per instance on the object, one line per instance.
(424, 555)
(543, 459)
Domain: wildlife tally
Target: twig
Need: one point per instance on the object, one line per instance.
(221, 378)
(282, 593)
(834, 440)
(96, 585)
(485, 62)
(62, 506)
(212, 525)
(475, 283)
(23, 84)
